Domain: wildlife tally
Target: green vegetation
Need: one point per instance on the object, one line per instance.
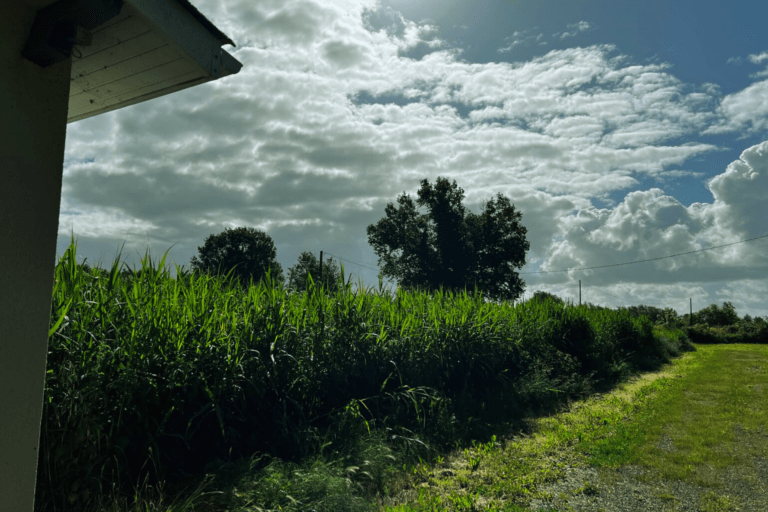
(330, 278)
(511, 472)
(680, 422)
(246, 253)
(708, 423)
(311, 400)
(713, 324)
(450, 247)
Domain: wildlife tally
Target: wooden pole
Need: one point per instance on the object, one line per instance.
(319, 283)
(579, 292)
(690, 317)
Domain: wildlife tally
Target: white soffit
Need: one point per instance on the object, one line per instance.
(152, 48)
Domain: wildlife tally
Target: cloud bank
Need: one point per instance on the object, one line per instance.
(330, 119)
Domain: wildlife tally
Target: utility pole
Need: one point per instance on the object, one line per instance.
(690, 317)
(319, 283)
(579, 292)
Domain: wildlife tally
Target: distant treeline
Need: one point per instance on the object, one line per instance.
(713, 324)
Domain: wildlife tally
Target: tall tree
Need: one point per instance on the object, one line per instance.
(249, 251)
(450, 247)
(717, 316)
(308, 263)
(542, 296)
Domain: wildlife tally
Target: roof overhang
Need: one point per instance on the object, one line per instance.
(125, 52)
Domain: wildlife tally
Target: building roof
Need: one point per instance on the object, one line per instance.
(126, 52)
(152, 48)
(218, 34)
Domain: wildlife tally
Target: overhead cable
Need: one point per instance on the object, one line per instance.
(642, 261)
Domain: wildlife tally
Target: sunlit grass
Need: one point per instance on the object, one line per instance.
(510, 471)
(713, 419)
(695, 420)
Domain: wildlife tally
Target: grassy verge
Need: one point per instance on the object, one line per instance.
(507, 475)
(713, 418)
(700, 418)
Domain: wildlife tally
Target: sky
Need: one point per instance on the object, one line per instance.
(622, 130)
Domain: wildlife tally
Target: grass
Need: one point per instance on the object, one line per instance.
(311, 400)
(512, 472)
(712, 419)
(709, 406)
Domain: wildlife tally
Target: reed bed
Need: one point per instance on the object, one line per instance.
(155, 377)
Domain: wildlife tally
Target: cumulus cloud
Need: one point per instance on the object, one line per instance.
(330, 119)
(743, 111)
(648, 224)
(575, 29)
(523, 38)
(757, 58)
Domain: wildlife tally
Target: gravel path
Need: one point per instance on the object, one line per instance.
(614, 490)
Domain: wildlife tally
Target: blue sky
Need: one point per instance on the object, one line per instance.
(622, 130)
(704, 42)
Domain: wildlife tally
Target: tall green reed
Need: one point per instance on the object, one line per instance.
(198, 368)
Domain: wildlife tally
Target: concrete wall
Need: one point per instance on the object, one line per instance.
(33, 125)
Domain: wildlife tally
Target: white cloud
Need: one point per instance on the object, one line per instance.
(329, 120)
(745, 111)
(757, 58)
(754, 58)
(649, 224)
(575, 29)
(522, 38)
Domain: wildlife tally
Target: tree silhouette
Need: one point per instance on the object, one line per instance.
(542, 296)
(309, 263)
(717, 316)
(450, 247)
(250, 252)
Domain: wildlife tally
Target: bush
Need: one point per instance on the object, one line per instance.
(678, 337)
(715, 316)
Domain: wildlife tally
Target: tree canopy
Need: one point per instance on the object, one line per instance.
(451, 247)
(308, 263)
(542, 296)
(250, 252)
(715, 315)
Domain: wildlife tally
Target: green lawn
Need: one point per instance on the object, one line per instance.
(705, 412)
(712, 418)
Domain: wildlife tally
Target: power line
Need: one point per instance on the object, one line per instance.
(359, 265)
(603, 266)
(632, 301)
(643, 261)
(350, 261)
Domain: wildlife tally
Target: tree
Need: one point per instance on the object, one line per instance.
(542, 296)
(654, 314)
(450, 247)
(249, 251)
(309, 263)
(717, 316)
